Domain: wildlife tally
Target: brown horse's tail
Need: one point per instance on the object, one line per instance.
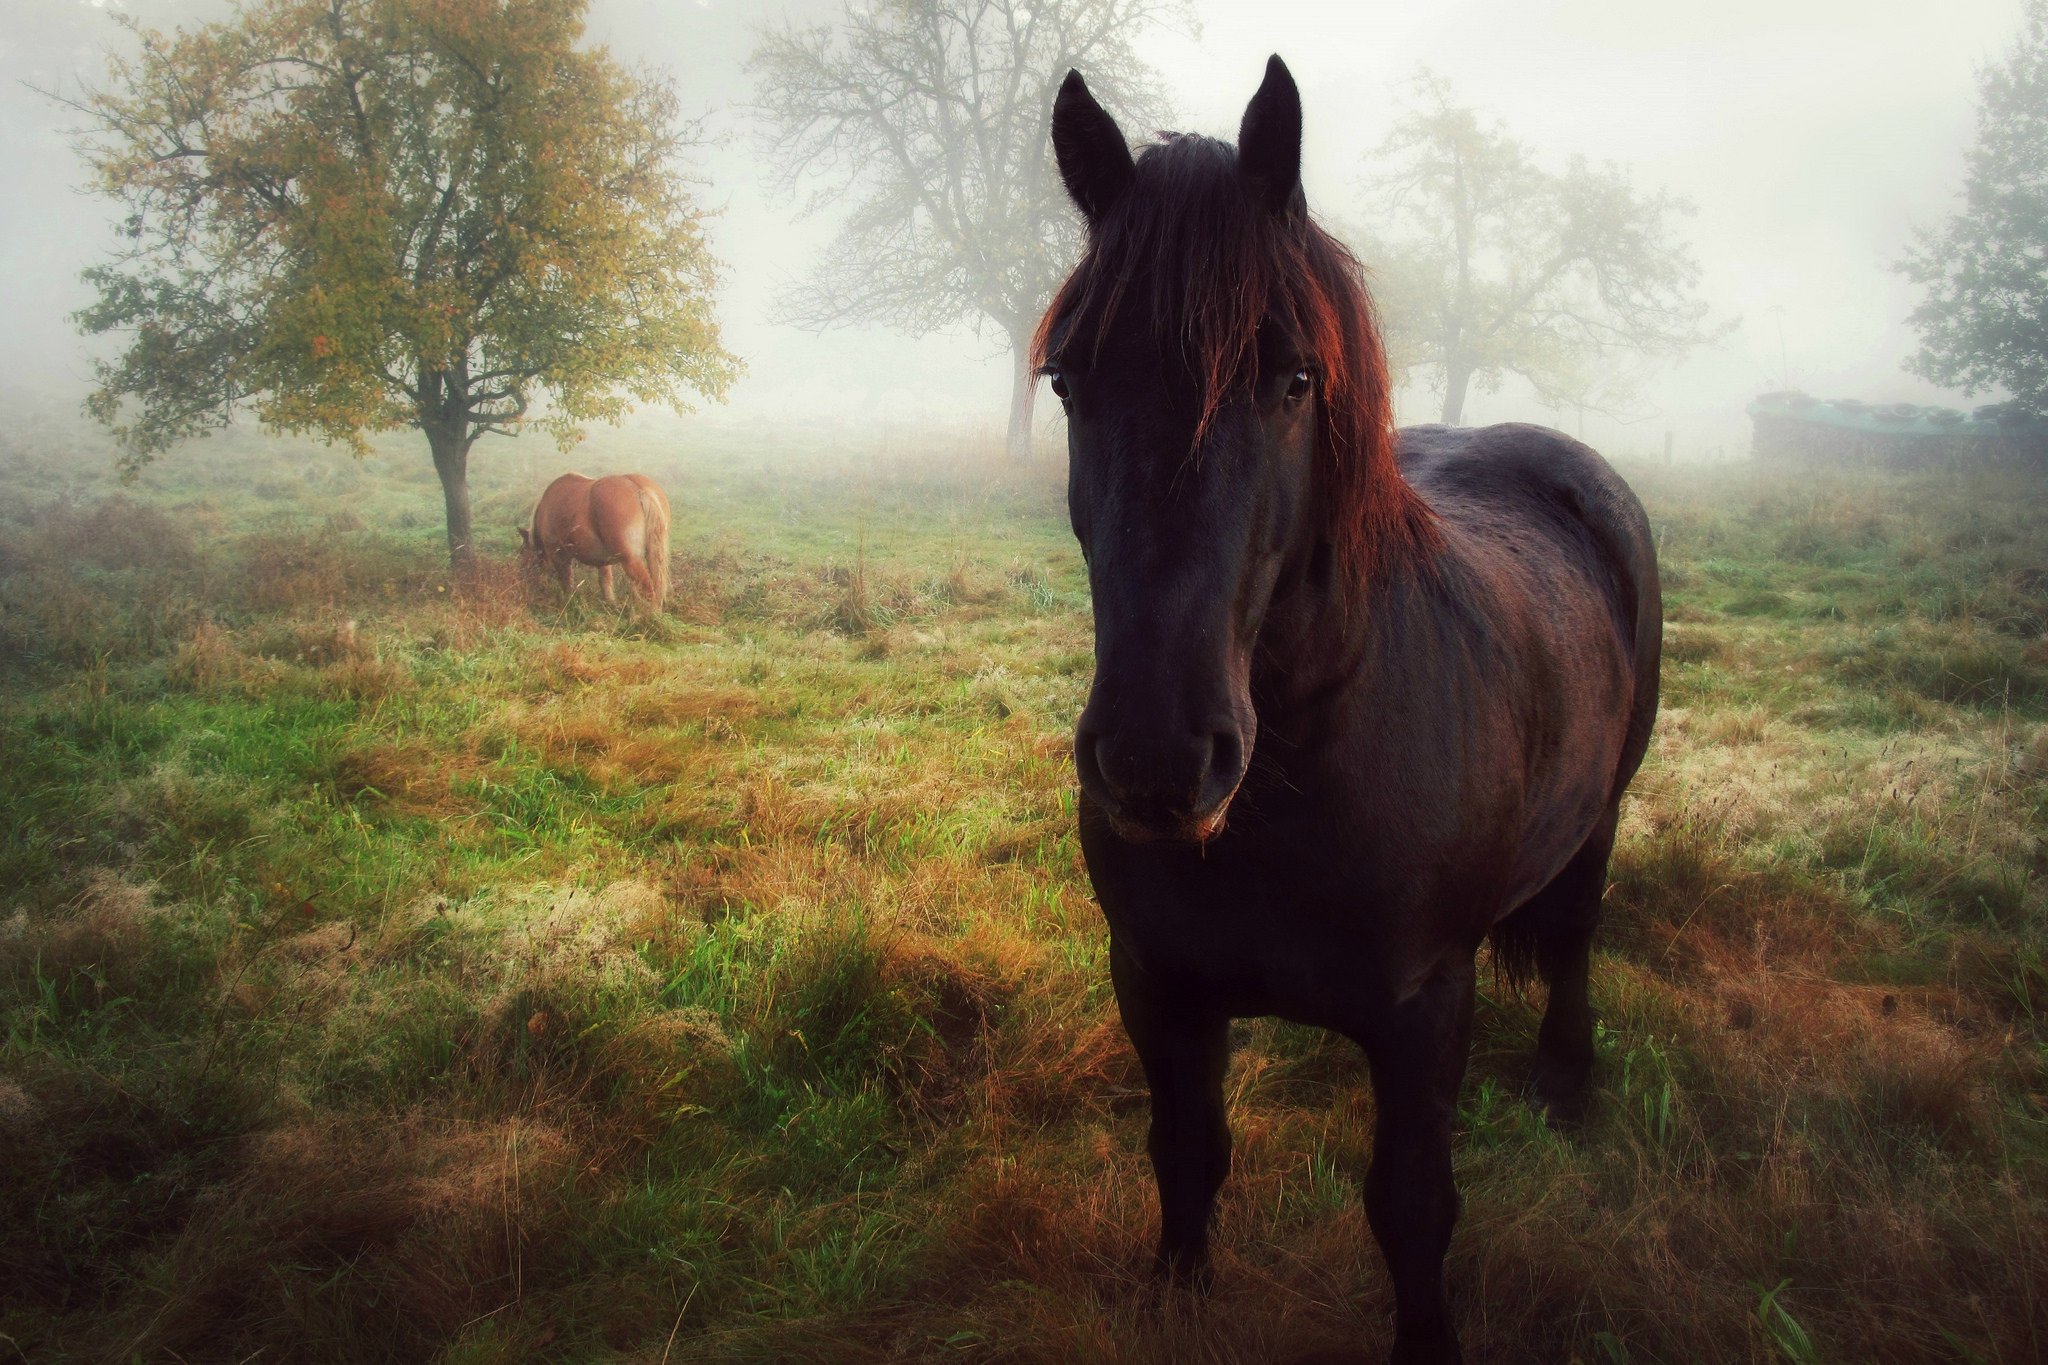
(654, 512)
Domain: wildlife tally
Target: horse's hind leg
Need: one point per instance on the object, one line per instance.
(1411, 1200)
(642, 581)
(1559, 921)
(1184, 1056)
(604, 582)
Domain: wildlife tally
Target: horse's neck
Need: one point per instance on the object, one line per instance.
(1321, 642)
(1310, 640)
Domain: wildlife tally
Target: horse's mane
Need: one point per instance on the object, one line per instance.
(1190, 248)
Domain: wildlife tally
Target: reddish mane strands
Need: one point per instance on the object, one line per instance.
(1210, 266)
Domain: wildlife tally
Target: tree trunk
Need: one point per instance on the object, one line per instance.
(451, 462)
(1023, 397)
(1457, 379)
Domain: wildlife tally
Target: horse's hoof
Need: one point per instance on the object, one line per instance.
(1436, 1347)
(1190, 1271)
(1564, 1094)
(1339, 1355)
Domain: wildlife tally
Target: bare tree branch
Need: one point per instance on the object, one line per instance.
(930, 119)
(1490, 266)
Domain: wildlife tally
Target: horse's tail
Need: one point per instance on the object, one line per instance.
(654, 513)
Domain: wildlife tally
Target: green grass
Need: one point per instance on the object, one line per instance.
(395, 973)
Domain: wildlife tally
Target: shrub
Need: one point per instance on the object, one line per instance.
(1691, 647)
(110, 581)
(1967, 669)
(1765, 603)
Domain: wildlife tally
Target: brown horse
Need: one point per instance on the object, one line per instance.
(618, 519)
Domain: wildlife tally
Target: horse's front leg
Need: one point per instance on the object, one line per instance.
(1184, 1053)
(1411, 1201)
(604, 582)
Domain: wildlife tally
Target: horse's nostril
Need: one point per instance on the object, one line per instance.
(1226, 767)
(1088, 759)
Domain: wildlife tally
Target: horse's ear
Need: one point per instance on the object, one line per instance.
(1095, 161)
(1269, 139)
(524, 539)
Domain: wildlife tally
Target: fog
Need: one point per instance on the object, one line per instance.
(1813, 135)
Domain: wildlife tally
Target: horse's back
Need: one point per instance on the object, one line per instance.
(1537, 476)
(1549, 508)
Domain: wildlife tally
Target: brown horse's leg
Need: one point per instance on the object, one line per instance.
(1561, 918)
(604, 581)
(1411, 1201)
(565, 571)
(637, 575)
(1184, 1056)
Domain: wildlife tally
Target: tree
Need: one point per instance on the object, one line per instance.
(361, 215)
(1984, 320)
(934, 118)
(1489, 266)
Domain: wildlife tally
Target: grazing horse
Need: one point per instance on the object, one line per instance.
(1361, 698)
(618, 519)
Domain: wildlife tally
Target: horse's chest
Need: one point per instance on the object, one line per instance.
(1278, 931)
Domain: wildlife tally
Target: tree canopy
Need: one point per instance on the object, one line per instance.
(355, 216)
(932, 120)
(1983, 323)
(1487, 265)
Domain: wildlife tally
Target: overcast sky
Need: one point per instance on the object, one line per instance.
(1812, 134)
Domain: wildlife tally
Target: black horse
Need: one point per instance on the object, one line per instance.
(1361, 699)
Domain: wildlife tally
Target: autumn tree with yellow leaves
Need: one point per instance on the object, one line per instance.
(355, 216)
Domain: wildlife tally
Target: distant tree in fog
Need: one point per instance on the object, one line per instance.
(1984, 321)
(362, 215)
(933, 119)
(1485, 265)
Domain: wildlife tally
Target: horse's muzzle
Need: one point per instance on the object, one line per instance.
(1159, 788)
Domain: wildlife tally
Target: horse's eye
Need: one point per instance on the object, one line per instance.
(1059, 384)
(1298, 387)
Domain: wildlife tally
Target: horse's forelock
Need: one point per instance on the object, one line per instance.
(1208, 265)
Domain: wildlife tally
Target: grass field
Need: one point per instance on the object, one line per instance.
(393, 974)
